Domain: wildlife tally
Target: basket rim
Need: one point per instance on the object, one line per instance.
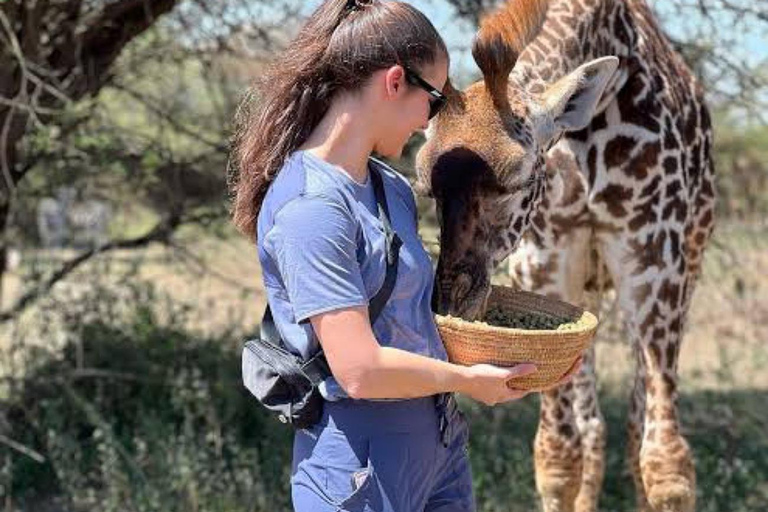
(590, 321)
(590, 324)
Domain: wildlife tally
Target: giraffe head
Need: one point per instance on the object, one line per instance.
(483, 160)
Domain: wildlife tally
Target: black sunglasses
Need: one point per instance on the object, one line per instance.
(437, 100)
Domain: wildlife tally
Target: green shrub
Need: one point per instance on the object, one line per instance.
(140, 415)
(152, 419)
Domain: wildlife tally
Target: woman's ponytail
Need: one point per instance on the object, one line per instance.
(339, 47)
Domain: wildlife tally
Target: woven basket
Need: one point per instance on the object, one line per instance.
(553, 352)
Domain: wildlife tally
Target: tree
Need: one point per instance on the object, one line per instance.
(54, 53)
(64, 62)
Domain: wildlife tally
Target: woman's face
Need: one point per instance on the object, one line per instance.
(406, 109)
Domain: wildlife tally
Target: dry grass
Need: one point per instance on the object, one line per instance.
(220, 282)
(217, 280)
(724, 346)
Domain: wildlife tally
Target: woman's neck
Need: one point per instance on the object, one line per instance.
(343, 138)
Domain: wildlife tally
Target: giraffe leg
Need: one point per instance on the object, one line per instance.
(654, 297)
(557, 451)
(568, 448)
(666, 464)
(591, 426)
(635, 434)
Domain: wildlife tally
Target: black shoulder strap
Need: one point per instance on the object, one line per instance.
(392, 246)
(317, 368)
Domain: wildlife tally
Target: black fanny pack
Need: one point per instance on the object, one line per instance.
(285, 383)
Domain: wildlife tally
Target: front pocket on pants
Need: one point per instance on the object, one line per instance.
(360, 483)
(334, 465)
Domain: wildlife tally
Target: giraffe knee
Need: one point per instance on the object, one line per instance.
(593, 433)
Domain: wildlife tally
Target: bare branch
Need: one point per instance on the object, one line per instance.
(206, 269)
(24, 450)
(751, 10)
(166, 116)
(160, 233)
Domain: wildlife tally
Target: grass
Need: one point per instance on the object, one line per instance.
(183, 433)
(726, 429)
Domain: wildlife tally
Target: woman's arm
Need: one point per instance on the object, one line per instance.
(365, 369)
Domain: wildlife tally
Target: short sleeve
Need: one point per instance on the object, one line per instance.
(313, 243)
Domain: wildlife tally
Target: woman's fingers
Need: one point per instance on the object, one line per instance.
(521, 369)
(518, 370)
(493, 385)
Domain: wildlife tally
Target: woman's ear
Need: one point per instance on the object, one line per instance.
(394, 80)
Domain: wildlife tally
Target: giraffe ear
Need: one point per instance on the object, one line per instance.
(569, 103)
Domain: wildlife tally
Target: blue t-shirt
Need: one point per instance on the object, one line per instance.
(321, 247)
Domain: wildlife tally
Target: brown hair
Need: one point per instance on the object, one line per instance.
(342, 44)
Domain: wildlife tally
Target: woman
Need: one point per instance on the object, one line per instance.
(359, 78)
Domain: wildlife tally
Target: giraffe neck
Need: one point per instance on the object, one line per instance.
(575, 32)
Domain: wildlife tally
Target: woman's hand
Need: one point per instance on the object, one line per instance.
(488, 384)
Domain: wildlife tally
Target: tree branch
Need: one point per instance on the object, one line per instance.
(25, 450)
(160, 233)
(205, 268)
(109, 31)
(167, 117)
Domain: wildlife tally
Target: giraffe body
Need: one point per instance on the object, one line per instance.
(627, 194)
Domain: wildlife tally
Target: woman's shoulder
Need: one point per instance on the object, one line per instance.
(297, 186)
(299, 178)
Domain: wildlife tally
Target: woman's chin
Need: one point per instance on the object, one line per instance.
(393, 150)
(390, 153)
(398, 151)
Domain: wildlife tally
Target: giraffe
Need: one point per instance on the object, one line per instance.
(585, 149)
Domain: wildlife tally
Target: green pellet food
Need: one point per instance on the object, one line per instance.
(529, 320)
